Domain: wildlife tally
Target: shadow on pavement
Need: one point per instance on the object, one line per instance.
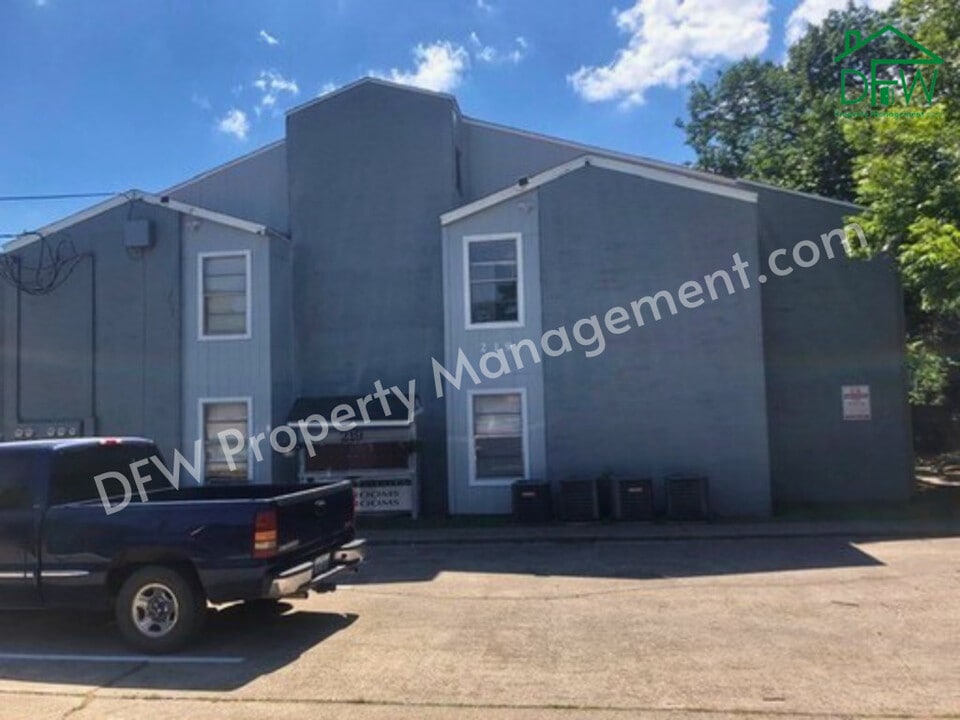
(265, 641)
(639, 560)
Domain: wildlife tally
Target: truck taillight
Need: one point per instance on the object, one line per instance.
(265, 534)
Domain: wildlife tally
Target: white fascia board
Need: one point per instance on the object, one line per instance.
(132, 196)
(656, 174)
(803, 194)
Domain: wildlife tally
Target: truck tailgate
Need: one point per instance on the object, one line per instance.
(314, 516)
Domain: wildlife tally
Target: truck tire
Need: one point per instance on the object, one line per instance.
(158, 610)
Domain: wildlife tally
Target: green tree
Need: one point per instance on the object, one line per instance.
(772, 123)
(907, 174)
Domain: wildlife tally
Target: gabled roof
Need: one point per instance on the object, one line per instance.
(368, 80)
(931, 59)
(718, 186)
(137, 196)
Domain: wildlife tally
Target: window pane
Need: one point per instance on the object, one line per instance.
(233, 324)
(225, 283)
(498, 435)
(218, 417)
(226, 303)
(493, 250)
(497, 425)
(500, 458)
(493, 276)
(222, 470)
(226, 265)
(506, 403)
(226, 411)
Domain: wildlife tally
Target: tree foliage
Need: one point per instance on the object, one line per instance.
(775, 123)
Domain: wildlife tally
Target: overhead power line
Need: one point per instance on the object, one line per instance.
(63, 196)
(52, 196)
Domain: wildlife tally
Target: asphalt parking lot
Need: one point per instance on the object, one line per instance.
(664, 629)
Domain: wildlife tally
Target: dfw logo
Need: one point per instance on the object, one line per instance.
(887, 74)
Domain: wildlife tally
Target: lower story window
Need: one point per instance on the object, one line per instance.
(498, 436)
(220, 416)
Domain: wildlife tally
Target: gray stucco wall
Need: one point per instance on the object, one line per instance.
(685, 394)
(105, 346)
(496, 158)
(515, 216)
(837, 323)
(371, 169)
(283, 375)
(253, 187)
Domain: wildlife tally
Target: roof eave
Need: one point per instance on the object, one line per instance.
(721, 186)
(28, 238)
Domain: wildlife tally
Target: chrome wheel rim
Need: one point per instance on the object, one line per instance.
(155, 610)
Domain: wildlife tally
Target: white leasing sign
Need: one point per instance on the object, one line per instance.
(856, 402)
(392, 496)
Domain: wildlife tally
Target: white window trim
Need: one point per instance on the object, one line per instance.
(471, 438)
(202, 431)
(248, 262)
(467, 240)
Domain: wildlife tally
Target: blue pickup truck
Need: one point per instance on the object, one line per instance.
(157, 563)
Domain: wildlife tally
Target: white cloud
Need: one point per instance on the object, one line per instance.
(234, 123)
(268, 38)
(484, 6)
(439, 66)
(813, 12)
(671, 43)
(327, 88)
(272, 85)
(489, 54)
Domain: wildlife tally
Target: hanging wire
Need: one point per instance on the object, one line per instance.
(54, 265)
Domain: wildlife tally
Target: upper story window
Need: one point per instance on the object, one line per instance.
(224, 285)
(493, 268)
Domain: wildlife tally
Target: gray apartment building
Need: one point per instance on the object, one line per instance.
(558, 311)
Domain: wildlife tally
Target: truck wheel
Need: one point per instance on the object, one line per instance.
(158, 610)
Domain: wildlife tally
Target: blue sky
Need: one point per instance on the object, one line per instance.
(107, 95)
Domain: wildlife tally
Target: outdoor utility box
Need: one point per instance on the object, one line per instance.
(687, 497)
(532, 502)
(632, 499)
(137, 234)
(579, 501)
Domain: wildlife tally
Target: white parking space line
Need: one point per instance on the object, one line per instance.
(153, 659)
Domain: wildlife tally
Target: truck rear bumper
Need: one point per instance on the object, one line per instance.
(318, 573)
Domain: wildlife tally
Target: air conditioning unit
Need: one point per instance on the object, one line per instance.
(687, 497)
(579, 501)
(532, 502)
(632, 499)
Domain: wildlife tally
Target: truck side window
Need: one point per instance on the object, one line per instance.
(75, 470)
(14, 490)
